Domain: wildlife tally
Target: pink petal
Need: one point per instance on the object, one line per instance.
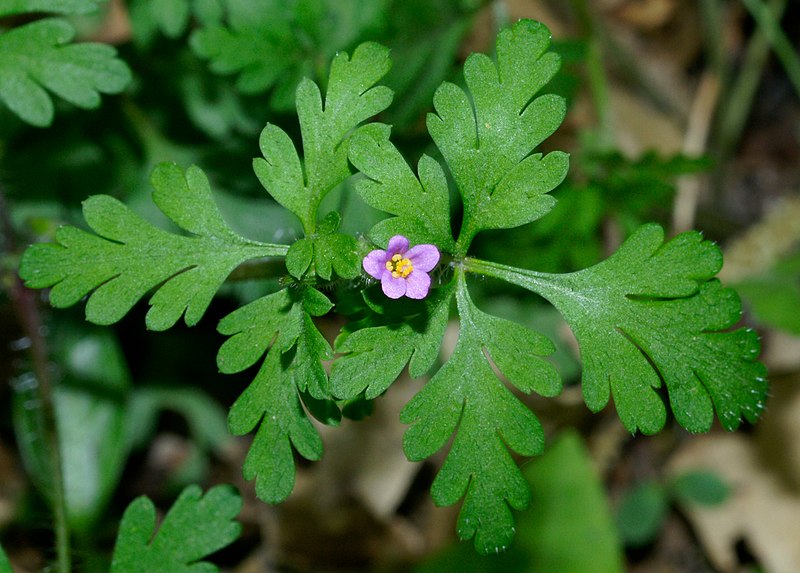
(375, 263)
(397, 244)
(393, 287)
(417, 284)
(423, 257)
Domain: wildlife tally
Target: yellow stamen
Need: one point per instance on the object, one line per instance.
(399, 266)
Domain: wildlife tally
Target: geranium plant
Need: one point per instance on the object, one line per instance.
(657, 332)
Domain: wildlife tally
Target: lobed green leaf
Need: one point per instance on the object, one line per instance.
(334, 251)
(196, 526)
(466, 397)
(487, 137)
(421, 206)
(148, 17)
(279, 325)
(653, 313)
(351, 99)
(259, 45)
(374, 355)
(37, 57)
(130, 256)
(274, 44)
(10, 7)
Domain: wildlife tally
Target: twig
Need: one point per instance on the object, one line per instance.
(694, 144)
(24, 302)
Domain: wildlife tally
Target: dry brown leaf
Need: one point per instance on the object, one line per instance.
(764, 243)
(639, 127)
(647, 14)
(761, 512)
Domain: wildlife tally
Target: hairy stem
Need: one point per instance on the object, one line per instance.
(258, 269)
(27, 310)
(543, 284)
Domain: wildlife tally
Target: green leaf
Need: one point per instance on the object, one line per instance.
(568, 528)
(129, 256)
(421, 206)
(774, 295)
(653, 313)
(204, 416)
(277, 43)
(466, 397)
(196, 526)
(699, 487)
(351, 99)
(335, 252)
(429, 36)
(91, 421)
(150, 16)
(91, 430)
(257, 42)
(487, 137)
(90, 416)
(374, 356)
(9, 7)
(37, 56)
(5, 566)
(299, 257)
(641, 513)
(279, 324)
(569, 504)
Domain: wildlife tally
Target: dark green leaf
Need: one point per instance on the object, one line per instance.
(275, 44)
(196, 526)
(280, 325)
(130, 256)
(569, 527)
(37, 57)
(204, 416)
(91, 421)
(430, 33)
(90, 415)
(421, 206)
(774, 295)
(466, 397)
(653, 313)
(699, 487)
(5, 566)
(487, 139)
(352, 98)
(9, 7)
(373, 357)
(256, 41)
(641, 513)
(149, 16)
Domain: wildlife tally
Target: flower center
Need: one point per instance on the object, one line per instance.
(399, 266)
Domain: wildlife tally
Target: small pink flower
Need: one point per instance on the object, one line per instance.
(402, 271)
